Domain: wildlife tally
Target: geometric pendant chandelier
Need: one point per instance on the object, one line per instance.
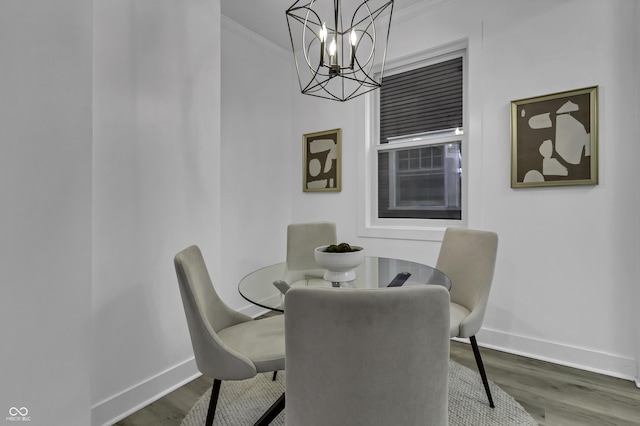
(336, 45)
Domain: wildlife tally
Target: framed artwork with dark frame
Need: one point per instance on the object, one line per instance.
(554, 139)
(321, 167)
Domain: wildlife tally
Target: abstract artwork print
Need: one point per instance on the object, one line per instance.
(321, 165)
(554, 139)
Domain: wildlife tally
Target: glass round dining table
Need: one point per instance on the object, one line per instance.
(374, 272)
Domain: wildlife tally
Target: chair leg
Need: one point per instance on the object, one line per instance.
(273, 411)
(476, 353)
(275, 375)
(213, 402)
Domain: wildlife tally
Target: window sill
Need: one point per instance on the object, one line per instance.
(403, 232)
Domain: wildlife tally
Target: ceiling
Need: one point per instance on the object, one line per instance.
(267, 17)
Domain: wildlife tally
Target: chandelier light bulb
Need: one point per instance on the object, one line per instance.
(353, 39)
(323, 39)
(332, 52)
(323, 33)
(332, 47)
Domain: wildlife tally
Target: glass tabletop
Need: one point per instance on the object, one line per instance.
(374, 272)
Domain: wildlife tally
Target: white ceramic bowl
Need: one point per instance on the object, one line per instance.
(340, 266)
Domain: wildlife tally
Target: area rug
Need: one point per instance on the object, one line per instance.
(241, 403)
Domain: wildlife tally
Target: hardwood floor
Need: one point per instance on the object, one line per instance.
(554, 395)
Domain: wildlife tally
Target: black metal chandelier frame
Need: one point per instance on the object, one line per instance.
(342, 77)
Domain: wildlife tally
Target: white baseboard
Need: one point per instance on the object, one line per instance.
(570, 356)
(253, 311)
(129, 401)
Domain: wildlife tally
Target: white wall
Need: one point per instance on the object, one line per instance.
(45, 209)
(91, 222)
(256, 148)
(567, 261)
(156, 189)
(636, 194)
(158, 111)
(565, 273)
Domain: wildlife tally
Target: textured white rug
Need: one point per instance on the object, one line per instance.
(242, 403)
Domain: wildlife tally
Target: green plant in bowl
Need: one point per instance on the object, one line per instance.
(341, 248)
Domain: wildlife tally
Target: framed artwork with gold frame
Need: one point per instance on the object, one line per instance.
(554, 139)
(321, 166)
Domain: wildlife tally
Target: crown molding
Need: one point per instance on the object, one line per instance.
(229, 24)
(422, 6)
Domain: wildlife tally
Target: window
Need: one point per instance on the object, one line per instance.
(420, 183)
(420, 146)
(417, 144)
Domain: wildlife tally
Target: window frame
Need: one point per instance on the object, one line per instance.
(370, 225)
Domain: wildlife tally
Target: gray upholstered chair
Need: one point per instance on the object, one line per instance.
(303, 238)
(227, 345)
(468, 257)
(369, 357)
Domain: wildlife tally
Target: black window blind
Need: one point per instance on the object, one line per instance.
(421, 100)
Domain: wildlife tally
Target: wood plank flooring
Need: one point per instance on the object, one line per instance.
(554, 395)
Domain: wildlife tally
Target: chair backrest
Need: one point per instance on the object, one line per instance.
(303, 238)
(206, 315)
(367, 356)
(468, 257)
